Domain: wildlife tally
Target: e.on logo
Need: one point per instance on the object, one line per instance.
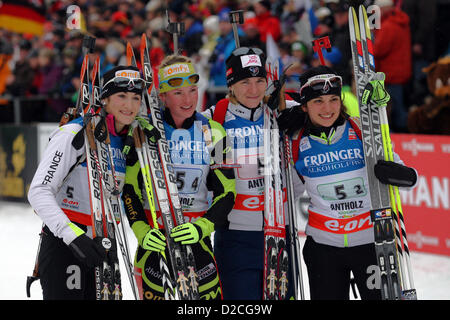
(340, 226)
(349, 225)
(249, 202)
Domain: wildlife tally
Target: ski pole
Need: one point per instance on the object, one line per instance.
(235, 18)
(176, 29)
(35, 275)
(320, 43)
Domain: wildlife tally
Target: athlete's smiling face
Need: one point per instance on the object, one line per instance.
(124, 106)
(250, 91)
(323, 110)
(181, 102)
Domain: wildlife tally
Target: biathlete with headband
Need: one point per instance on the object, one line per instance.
(329, 157)
(198, 150)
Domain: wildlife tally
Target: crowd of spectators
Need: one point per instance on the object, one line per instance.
(44, 71)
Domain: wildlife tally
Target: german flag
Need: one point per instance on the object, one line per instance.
(23, 16)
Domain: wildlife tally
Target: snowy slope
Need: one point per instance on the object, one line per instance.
(19, 236)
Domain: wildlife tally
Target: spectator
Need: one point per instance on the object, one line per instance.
(225, 45)
(113, 52)
(423, 16)
(23, 74)
(121, 25)
(211, 33)
(300, 53)
(340, 38)
(51, 76)
(5, 71)
(392, 51)
(192, 40)
(70, 72)
(266, 22)
(252, 35)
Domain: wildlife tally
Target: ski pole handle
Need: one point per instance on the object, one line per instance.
(236, 17)
(320, 43)
(176, 29)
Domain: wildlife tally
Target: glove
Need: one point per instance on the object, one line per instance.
(150, 131)
(395, 174)
(88, 251)
(291, 119)
(154, 240)
(149, 238)
(190, 233)
(375, 91)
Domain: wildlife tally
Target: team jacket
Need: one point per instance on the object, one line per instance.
(335, 178)
(59, 191)
(244, 128)
(205, 184)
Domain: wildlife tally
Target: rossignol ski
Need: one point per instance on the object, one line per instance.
(182, 257)
(159, 172)
(276, 261)
(295, 248)
(149, 164)
(386, 206)
(103, 187)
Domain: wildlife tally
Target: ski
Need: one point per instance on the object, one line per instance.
(295, 247)
(144, 155)
(376, 141)
(102, 273)
(276, 262)
(164, 181)
(99, 167)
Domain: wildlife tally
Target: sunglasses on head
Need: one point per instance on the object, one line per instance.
(245, 50)
(323, 83)
(124, 82)
(178, 81)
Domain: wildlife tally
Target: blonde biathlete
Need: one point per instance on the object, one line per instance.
(198, 151)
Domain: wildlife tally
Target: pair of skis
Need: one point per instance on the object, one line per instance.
(103, 187)
(161, 186)
(276, 261)
(387, 216)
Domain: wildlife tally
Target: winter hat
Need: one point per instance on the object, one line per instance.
(122, 79)
(298, 45)
(319, 81)
(224, 15)
(245, 63)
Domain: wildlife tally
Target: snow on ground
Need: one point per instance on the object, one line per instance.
(19, 237)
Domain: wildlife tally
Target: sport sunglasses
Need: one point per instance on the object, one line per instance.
(322, 83)
(124, 82)
(178, 81)
(244, 50)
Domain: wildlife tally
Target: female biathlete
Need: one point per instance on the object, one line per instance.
(198, 151)
(329, 157)
(59, 193)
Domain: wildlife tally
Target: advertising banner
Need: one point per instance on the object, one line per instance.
(426, 208)
(18, 161)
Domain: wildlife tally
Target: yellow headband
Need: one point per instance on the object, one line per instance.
(176, 70)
